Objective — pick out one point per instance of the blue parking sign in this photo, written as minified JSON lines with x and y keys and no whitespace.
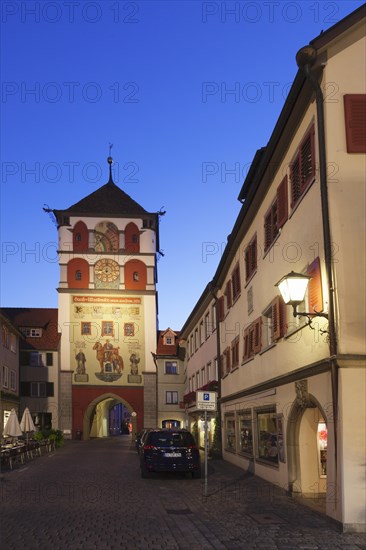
{"x":206,"y":397}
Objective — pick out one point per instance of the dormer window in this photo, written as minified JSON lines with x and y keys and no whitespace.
{"x":31,"y":332}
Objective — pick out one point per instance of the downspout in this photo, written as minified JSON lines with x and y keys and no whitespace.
{"x":154,"y":356}
{"x":218,"y":354}
{"x":305,"y":59}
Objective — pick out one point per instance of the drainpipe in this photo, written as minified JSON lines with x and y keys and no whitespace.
{"x":305,"y":59}
{"x":218,"y":354}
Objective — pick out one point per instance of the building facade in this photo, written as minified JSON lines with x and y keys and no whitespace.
{"x":169,"y":360}
{"x":39,"y":372}
{"x":9,"y":363}
{"x":107,"y":310}
{"x":292,"y":393}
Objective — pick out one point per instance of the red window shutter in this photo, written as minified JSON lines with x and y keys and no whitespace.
{"x":246,"y":344}
{"x":355,"y":119}
{"x":268,"y":230}
{"x":295,"y":181}
{"x":228,"y":294}
{"x":315,"y":292}
{"x":278,"y":318}
{"x":282,"y":203}
{"x":257,"y":344}
{"x":307,"y":160}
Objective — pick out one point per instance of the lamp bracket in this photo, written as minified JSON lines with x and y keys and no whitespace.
{"x":310,"y":317}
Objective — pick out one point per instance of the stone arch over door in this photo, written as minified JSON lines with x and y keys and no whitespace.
{"x":301,"y":436}
{"x":109,"y":399}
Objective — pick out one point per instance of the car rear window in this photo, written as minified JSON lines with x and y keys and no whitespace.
{"x":179,"y":439}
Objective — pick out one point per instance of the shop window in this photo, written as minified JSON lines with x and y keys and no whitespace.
{"x":267,"y":435}
{"x":246,"y":432}
{"x":322,"y":448}
{"x":230,"y":439}
{"x":171,"y":424}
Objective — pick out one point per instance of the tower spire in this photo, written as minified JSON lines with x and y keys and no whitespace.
{"x":110,"y":162}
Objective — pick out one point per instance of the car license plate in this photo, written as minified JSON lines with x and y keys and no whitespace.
{"x":172,"y":455}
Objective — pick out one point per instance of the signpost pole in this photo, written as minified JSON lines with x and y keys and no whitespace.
{"x":206,"y":445}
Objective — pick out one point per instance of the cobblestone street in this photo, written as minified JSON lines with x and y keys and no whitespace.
{"x":89,"y":495}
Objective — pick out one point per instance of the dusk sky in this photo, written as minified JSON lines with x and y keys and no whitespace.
{"x":185,"y":91}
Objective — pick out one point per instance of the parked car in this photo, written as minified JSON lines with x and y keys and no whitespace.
{"x":165,"y":450}
{"x":139,"y":438}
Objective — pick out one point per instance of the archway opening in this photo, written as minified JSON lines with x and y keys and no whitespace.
{"x":108,"y":415}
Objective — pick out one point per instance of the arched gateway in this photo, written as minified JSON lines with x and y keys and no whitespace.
{"x":97,"y":415}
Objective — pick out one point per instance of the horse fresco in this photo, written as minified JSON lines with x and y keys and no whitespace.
{"x":107,"y":353}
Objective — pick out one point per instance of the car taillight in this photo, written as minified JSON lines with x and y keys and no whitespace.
{"x":149,"y":447}
{"x":191,"y":447}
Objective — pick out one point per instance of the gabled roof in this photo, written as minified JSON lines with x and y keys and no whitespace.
{"x":163,"y":349}
{"x":109,"y":200}
{"x":44,"y":318}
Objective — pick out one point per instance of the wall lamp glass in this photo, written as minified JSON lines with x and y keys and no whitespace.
{"x":293,"y":289}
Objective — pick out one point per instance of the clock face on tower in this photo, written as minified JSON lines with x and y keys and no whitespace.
{"x":106,"y":271}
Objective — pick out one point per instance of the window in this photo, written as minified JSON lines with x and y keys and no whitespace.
{"x":196,"y":339}
{"x":208,"y":328}
{"x":107,"y":328}
{"x":213,"y":316}
{"x":171,"y":367}
{"x":201,"y":335}
{"x":31,"y":332}
{"x":227,"y":359}
{"x":78,"y":237}
{"x":209,"y":372}
{"x":302,"y":169}
{"x":221,"y":309}
{"x":168,"y":341}
{"x":13,"y":342}
{"x":171,"y":397}
{"x":86,"y":329}
{"x":5,"y":336}
{"x":267,"y":435}
{"x":250,"y":256}
{"x":198,"y":380}
{"x":78,"y":275}
{"x":228,"y":294}
{"x":235,"y":281}
{"x":355,"y":119}
{"x":136,"y":276}
{"x":49,"y":359}
{"x":276,"y":216}
{"x":13,"y":380}
{"x":250,"y":300}
{"x":273,"y":326}
{"x":235,"y":352}
{"x":246,"y":432}
{"x":230,"y":439}
{"x":38,"y":389}
{"x":35,"y":359}
{"x":5,"y":377}
{"x":129,"y":329}
{"x":252,"y":339}
{"x":216,"y":369}
{"x":203,"y":376}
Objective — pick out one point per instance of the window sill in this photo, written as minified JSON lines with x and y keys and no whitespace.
{"x":234,"y":368}
{"x":244,"y":362}
{"x":270,"y":346}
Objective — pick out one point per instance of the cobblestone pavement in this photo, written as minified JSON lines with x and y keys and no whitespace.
{"x":89,"y":495}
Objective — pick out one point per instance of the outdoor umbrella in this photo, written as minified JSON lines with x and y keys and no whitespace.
{"x":26,"y":423}
{"x":12,"y":427}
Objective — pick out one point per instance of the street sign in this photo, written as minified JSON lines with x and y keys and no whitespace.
{"x":206,"y":400}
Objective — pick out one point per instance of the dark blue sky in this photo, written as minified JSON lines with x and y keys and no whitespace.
{"x":185,"y":91}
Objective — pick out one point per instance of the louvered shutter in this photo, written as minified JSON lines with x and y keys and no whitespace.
{"x":221,"y":309}
{"x":246,"y":344}
{"x":268,"y":230}
{"x":355,"y":120}
{"x":278,"y":318}
{"x":295,"y":181}
{"x":282,"y":203}
{"x":307,"y":160}
{"x":315,"y":293}
{"x":257,"y":344}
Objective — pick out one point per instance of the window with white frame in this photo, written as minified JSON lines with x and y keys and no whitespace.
{"x":13,"y":380}
{"x":203,"y":376}
{"x":171,"y":367}
{"x":171,"y":397}
{"x":38,"y":389}
{"x":32,"y":332}
{"x":13,"y":342}
{"x":5,"y":377}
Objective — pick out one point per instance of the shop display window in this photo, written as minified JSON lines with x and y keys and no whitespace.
{"x":322,"y":447}
{"x":230,"y":433}
{"x":246,"y":432}
{"x":267,"y":435}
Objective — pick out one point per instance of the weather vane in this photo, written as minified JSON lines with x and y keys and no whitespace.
{"x":110,"y":161}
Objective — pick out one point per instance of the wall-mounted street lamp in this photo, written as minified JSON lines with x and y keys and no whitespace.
{"x":293,"y":288}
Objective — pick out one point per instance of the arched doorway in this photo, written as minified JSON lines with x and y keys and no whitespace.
{"x":307,"y":449}
{"x":97,"y":417}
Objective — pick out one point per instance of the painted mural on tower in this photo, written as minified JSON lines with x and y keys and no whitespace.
{"x":107,"y":335}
